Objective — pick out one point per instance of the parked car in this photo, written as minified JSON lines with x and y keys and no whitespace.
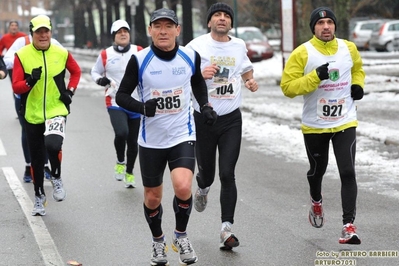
{"x":382,"y":38}
{"x":273,"y":34}
{"x":360,"y":32}
{"x":257,"y":44}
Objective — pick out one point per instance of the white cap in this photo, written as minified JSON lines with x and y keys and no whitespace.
{"x":119,"y":24}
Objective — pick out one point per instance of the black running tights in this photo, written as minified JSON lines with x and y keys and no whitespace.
{"x":344,"y":145}
{"x":38,"y":145}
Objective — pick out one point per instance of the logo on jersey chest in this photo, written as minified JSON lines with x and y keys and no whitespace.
{"x":178,"y":71}
{"x":334,"y":74}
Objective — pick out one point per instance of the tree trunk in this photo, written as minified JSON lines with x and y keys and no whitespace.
{"x":341,"y":10}
{"x":187,"y":21}
{"x":140,"y":25}
{"x":91,"y":31}
{"x":108,"y":9}
{"x":79,"y":26}
{"x":158,"y":4}
{"x":102,"y":34}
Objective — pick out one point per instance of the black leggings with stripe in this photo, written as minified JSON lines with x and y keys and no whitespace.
{"x":38,"y":146}
{"x":344,"y":145}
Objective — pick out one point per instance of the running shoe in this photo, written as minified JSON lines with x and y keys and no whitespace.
{"x":59,"y":192}
{"x":316,"y":214}
{"x":119,"y":171}
{"x":158,"y":254}
{"x":228,"y":240}
{"x":186,"y":252}
{"x":38,"y":207}
{"x":27,"y":175}
{"x":349,"y":235}
{"x":47,"y":173}
{"x":129,"y":180}
{"x":201,"y":199}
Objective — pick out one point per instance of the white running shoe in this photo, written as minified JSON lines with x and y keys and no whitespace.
{"x":186,"y":252}
{"x":59,"y":192}
{"x":158,"y":254}
{"x":349,"y":235}
{"x":201,"y":199}
{"x":38,"y":207}
{"x":316,"y":214}
{"x":228,"y":240}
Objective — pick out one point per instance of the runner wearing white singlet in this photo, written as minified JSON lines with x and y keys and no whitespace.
{"x":166,"y":76}
{"x":328,"y":73}
{"x":225,"y":65}
{"x":108,"y":72}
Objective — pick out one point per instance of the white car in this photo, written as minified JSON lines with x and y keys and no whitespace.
{"x":383,"y":38}
{"x":360,"y":32}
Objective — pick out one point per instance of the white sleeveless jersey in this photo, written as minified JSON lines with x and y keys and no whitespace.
{"x":331,"y":105}
{"x":170,"y":83}
{"x":224,"y":90}
{"x":114,"y":69}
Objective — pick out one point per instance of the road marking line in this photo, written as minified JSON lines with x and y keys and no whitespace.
{"x":43,"y":238}
{"x":2,"y":149}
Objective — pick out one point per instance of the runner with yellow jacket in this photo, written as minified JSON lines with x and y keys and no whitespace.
{"x":39,"y":77}
{"x":328,"y":72}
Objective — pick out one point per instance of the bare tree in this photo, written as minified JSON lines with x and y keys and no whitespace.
{"x":140,"y":25}
{"x":187,"y":21}
{"x":109,"y":17}
{"x":128,"y":13}
{"x":173,"y":4}
{"x":258,"y":13}
{"x":158,"y":4}
{"x":91,"y":31}
{"x":79,"y":23}
{"x":102,"y":33}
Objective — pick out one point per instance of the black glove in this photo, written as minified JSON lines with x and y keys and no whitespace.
{"x":322,"y":71}
{"x":356,"y":92}
{"x":104,"y":81}
{"x":149,"y":107}
{"x":34,"y":76}
{"x":209,"y":115}
{"x":66,"y":97}
{"x":36,"y":73}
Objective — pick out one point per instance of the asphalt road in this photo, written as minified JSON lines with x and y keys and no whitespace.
{"x":102,"y":223}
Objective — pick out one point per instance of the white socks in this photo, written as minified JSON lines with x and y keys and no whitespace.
{"x":226,"y":224}
{"x":204,"y":191}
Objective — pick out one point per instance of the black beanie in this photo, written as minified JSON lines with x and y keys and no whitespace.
{"x":220,"y":7}
{"x":319,"y":13}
